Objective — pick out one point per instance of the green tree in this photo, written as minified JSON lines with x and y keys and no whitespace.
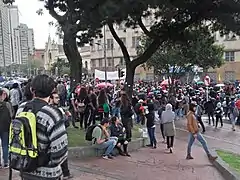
{"x":175,"y":59}
{"x":171,"y":21}
{"x":61,"y":66}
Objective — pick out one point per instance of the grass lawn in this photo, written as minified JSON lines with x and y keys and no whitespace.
{"x":76,"y":137}
{"x":232,"y":159}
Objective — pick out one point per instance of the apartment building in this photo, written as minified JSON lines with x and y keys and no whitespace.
{"x":230,"y":70}
{"x":5,"y":46}
{"x":114,"y":55}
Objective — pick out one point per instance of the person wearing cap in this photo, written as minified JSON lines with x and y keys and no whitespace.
{"x":194,"y":133}
{"x":101,"y":140}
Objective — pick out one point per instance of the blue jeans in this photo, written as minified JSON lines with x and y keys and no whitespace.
{"x":109,"y":146}
{"x":116,"y":112}
{"x":201,"y":139}
{"x":5,"y":141}
{"x":151,"y":134}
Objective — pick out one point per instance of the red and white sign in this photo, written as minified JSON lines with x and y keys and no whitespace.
{"x":207,"y":80}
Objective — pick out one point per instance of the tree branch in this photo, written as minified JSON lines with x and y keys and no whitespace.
{"x":145,"y":30}
{"x":120,"y":42}
{"x":53,"y":13}
{"x":152,"y":48}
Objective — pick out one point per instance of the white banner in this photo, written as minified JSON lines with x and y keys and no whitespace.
{"x":110,"y":75}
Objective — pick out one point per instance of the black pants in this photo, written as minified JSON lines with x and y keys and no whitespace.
{"x":162,"y":131}
{"x":92,"y":119}
{"x":15,"y":108}
{"x":121,"y":141}
{"x":74,"y":117}
{"x":217,"y":120}
{"x":170,"y":140}
{"x":127,"y":124}
{"x":210,"y":115}
{"x":85,"y":118}
{"x":62,"y":99}
{"x":65,"y":168}
{"x":199,"y":118}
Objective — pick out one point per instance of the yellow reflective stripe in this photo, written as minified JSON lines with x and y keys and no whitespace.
{"x":33,"y":126}
{"x":23,"y":152}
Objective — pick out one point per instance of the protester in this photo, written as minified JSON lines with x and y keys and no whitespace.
{"x":167,"y":119}
{"x":117,"y":130}
{"x":151,"y":126}
{"x":194,"y":133}
{"x":51,"y":132}
{"x":101,"y":141}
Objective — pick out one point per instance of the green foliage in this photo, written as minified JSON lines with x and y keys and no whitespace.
{"x":178,"y":57}
{"x":62,"y":67}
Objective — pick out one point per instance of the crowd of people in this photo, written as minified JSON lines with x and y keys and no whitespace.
{"x":106,"y":115}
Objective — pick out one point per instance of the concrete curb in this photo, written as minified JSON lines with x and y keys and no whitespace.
{"x":227,"y":172}
{"x":89,"y":151}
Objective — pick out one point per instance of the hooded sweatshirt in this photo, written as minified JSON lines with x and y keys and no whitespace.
{"x":168,"y":115}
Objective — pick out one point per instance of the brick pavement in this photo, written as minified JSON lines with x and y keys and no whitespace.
{"x":146,"y":163}
{"x":156,"y":163}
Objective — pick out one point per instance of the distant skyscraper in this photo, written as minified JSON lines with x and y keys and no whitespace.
{"x":23,"y":31}
{"x":14,"y":35}
{"x":31,"y":44}
{"x":5,"y":46}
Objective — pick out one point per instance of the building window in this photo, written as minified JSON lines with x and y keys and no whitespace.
{"x":135,"y":41}
{"x":93,"y":63}
{"x":230,"y":76}
{"x":100,"y":62}
{"x":110,"y":44}
{"x":86,"y":64}
{"x":230,"y":56}
{"x":110,"y":62}
{"x":122,"y":61}
{"x":99,"y":45}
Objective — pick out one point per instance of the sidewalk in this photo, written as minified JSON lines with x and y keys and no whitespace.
{"x":153,"y":164}
{"x":145,"y":164}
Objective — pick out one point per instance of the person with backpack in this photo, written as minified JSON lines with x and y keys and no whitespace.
{"x":41,"y":127}
{"x":6,"y":114}
{"x":99,"y":136}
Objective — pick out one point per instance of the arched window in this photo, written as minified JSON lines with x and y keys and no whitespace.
{"x":86,"y":64}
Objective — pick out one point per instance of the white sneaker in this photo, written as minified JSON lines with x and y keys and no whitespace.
{"x":105,"y":157}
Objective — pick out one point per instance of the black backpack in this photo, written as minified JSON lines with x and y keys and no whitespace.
{"x":89,"y":132}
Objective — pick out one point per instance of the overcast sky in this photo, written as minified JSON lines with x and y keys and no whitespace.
{"x":28,"y":15}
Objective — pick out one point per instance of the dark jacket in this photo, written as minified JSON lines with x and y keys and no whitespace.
{"x":116,"y":131}
{"x":218,"y":111}
{"x":5,"y":116}
{"x":126,"y":112}
{"x":150,"y":119}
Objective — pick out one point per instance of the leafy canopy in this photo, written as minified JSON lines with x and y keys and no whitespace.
{"x":178,"y":57}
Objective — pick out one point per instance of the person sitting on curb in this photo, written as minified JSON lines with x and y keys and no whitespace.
{"x":117,"y":130}
{"x":101,"y":140}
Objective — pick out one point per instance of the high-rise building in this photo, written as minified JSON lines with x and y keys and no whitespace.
{"x":23,"y":31}
{"x":5,"y":46}
{"x":14,"y":34}
{"x":31,"y":45}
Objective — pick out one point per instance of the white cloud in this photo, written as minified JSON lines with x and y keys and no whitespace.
{"x":28,"y":15}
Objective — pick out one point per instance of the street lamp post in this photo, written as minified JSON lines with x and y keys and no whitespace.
{"x":104,"y":51}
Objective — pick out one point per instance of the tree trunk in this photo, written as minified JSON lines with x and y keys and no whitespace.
{"x":130,"y":71}
{"x":74,"y":58}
